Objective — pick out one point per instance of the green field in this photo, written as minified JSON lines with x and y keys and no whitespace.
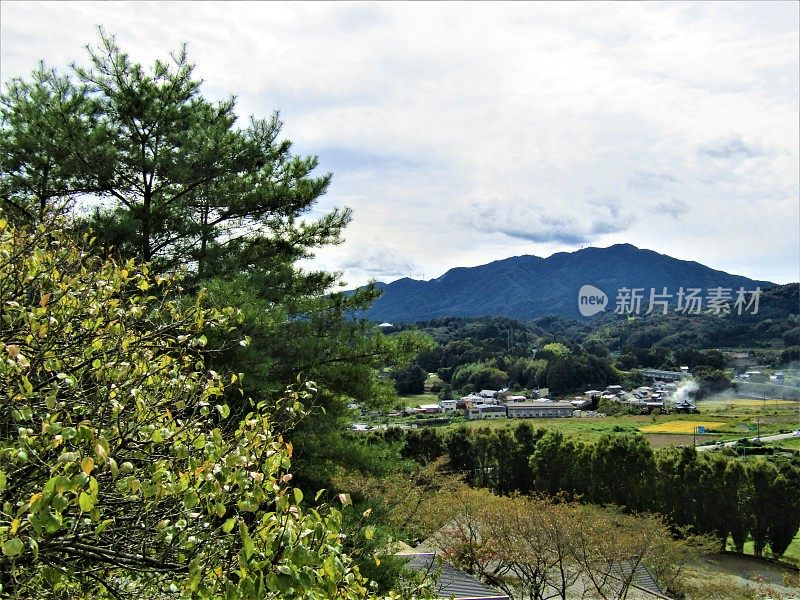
{"x":737,"y":418}
{"x":790,"y":444}
{"x":415,"y":400}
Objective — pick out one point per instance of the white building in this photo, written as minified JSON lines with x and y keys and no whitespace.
{"x":530,"y":410}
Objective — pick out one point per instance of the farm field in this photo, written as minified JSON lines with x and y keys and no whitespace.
{"x":663,"y":440}
{"x":724,"y":418}
{"x":748,"y":406}
{"x":683,"y":426}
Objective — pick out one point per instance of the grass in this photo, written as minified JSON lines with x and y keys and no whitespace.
{"x":790,"y":444}
{"x":682,"y":426}
{"x":415,"y":400}
{"x":791,"y":556}
{"x":792,"y":553}
{"x":586,"y":429}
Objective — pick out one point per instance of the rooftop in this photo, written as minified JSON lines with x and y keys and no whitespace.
{"x":451,"y":582}
{"x":540,"y":404}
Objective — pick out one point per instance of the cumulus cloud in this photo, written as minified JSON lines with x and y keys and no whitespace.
{"x":546,"y":224}
{"x":379,"y":261}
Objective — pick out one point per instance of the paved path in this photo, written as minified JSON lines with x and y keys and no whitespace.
{"x":764,"y":438}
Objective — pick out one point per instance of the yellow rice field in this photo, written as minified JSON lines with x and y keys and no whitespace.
{"x":747,"y":402}
{"x":682,"y":426}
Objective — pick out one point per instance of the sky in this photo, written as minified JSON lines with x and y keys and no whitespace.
{"x":461,"y":133}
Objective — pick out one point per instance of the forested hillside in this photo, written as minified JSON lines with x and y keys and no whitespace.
{"x":526,"y":287}
{"x":566,"y":356}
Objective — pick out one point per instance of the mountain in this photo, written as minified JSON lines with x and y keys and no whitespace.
{"x":526,"y":287}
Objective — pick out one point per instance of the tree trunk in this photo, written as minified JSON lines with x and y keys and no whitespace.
{"x":146,"y":226}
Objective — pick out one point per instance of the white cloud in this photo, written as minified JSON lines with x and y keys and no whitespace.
{"x":446,"y":124}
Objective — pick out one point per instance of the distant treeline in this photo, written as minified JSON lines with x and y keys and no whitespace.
{"x":493,"y":353}
{"x":713,"y":493}
{"x":569,"y":356}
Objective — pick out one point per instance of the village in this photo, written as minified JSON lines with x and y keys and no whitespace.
{"x":660,"y":398}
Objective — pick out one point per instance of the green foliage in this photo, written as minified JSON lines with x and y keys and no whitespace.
{"x":41,"y":173}
{"x":117,"y":476}
{"x":180,"y":182}
{"x":772,"y":500}
{"x":709,"y":493}
{"x":553,"y":350}
{"x":632,"y":379}
{"x":574,"y":373}
{"x":175,"y":181}
{"x":461,"y":341}
{"x":538,"y":547}
{"x":410,"y":380}
{"x":777,"y":316}
{"x":790,"y":355}
{"x":615,"y":408}
{"x":627,"y":361}
{"x":479,"y":376}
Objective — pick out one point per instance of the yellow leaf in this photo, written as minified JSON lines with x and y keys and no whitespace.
{"x":14,"y":526}
{"x":87,"y":464}
{"x":45,"y":299}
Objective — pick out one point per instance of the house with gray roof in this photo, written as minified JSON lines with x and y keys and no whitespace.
{"x":451,"y":582}
{"x":539,"y":409}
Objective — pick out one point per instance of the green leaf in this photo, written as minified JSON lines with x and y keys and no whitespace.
{"x":13,"y":547}
{"x":298,"y":496}
{"x":190,"y":498}
{"x":51,"y":521}
{"x":86,"y":502}
{"x":247,"y":542}
{"x":68,"y":457}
